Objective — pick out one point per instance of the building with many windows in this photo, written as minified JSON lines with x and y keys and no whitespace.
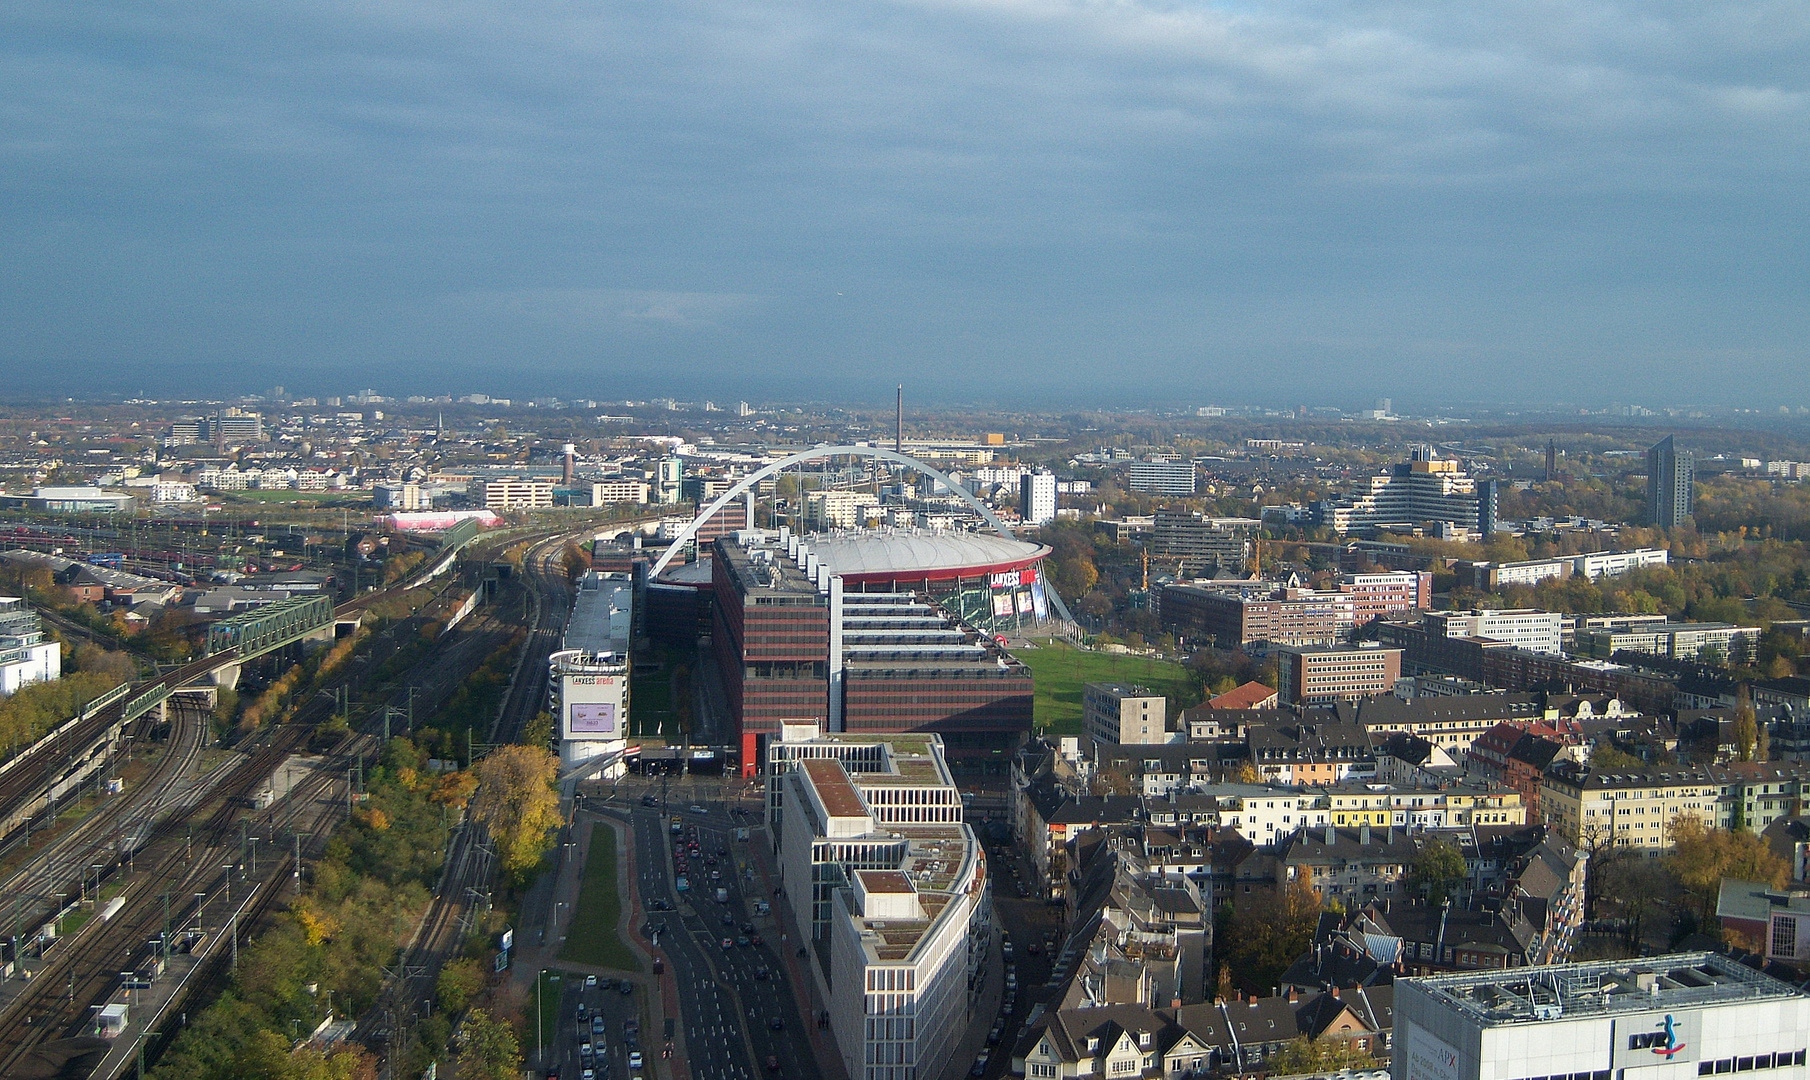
{"x":590,"y":673}
{"x":26,"y":656}
{"x":1162,"y":477}
{"x":1037,"y":497}
{"x":888,"y":893}
{"x":1423,"y":490}
{"x":1671,"y":484}
{"x":513,"y":492}
{"x":1111,"y":713}
{"x":1319,"y":675}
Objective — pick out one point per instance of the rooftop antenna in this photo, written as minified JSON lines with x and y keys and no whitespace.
{"x":898,"y":438}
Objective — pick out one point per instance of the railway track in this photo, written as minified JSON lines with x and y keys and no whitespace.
{"x":468,"y":867}
{"x":111,"y":833}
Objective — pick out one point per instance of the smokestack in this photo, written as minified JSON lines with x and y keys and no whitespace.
{"x":571,"y":465}
{"x":898,"y":438}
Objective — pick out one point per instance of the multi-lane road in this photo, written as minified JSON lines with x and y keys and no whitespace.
{"x":740,"y":1016}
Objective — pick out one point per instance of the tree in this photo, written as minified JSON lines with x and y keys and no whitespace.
{"x":1606,"y":758}
{"x":488,"y":1049}
{"x":460,"y":980}
{"x":1703,"y":855}
{"x":574,"y":560}
{"x":1267,"y":937}
{"x":517,"y":800}
{"x":1746,"y":727}
{"x":1324,"y":1054}
{"x":1436,"y":871}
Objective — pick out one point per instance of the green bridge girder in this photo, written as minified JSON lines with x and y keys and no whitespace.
{"x":260,"y":630}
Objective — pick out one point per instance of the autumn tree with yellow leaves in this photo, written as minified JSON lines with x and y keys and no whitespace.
{"x":518,"y":801}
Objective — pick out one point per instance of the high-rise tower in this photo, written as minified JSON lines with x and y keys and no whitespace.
{"x":1670,"y":484}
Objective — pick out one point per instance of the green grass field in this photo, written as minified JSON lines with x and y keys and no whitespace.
{"x":650,"y":702}
{"x":593,"y":936}
{"x":1061,"y":670}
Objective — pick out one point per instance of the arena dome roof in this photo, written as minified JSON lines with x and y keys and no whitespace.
{"x":889,"y":554}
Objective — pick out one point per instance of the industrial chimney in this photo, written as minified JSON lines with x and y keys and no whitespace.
{"x":571,"y":464}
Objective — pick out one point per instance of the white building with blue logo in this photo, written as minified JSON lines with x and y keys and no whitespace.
{"x":1674,"y":1017}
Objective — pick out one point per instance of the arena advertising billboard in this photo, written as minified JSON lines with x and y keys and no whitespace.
{"x":593,"y":706}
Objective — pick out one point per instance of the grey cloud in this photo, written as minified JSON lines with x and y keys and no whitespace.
{"x":991,"y":192}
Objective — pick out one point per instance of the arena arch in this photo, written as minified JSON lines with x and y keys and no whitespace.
{"x":747,"y":484}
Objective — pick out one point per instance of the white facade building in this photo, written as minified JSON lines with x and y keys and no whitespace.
{"x":25,"y":657}
{"x":869,"y":829}
{"x":1524,"y":628}
{"x":1674,"y":1017}
{"x":1037,"y":498}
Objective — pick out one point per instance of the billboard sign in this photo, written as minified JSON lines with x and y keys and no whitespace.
{"x":1429,"y":1058}
{"x":1002,"y":605}
{"x":1007,"y":580}
{"x":592,"y":718}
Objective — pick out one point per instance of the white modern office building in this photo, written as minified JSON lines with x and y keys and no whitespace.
{"x":888,"y":887}
{"x":589,"y":673}
{"x":1672,"y":1017}
{"x":26,"y":656}
{"x":1524,"y":628}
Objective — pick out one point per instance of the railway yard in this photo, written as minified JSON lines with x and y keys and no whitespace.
{"x":145,"y":898}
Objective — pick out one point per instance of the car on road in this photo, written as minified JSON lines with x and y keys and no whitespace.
{"x":1033,"y":948}
{"x":742,"y":941}
{"x":772,"y":1063}
{"x":980,"y":1065}
{"x":590,"y":980}
{"x":776,"y":1024}
{"x":762,"y":974}
{"x":587,"y":1073}
{"x":696,"y":809}
{"x":728,"y":944}
{"x":754,"y":938}
{"x":634,"y":1059}
{"x":625,"y":988}
{"x":682,"y":884}
{"x":586,"y":1050}
{"x":597,"y":1025}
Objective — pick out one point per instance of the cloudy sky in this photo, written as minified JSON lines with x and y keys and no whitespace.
{"x":1119,"y":201}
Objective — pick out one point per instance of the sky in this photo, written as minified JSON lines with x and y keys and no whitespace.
{"x":1112,"y":202}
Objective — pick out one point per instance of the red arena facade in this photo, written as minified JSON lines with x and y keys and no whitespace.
{"x":875,"y":631}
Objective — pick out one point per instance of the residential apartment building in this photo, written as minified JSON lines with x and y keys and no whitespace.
{"x":1671,"y":484}
{"x":1037,"y":498}
{"x":1198,"y":541}
{"x":1318,"y":675}
{"x":1309,"y":754}
{"x":1451,"y":723}
{"x":839,"y":509}
{"x":1162,"y":477}
{"x":1112,"y":713}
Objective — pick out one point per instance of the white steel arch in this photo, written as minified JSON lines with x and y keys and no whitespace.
{"x":747,"y":483}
